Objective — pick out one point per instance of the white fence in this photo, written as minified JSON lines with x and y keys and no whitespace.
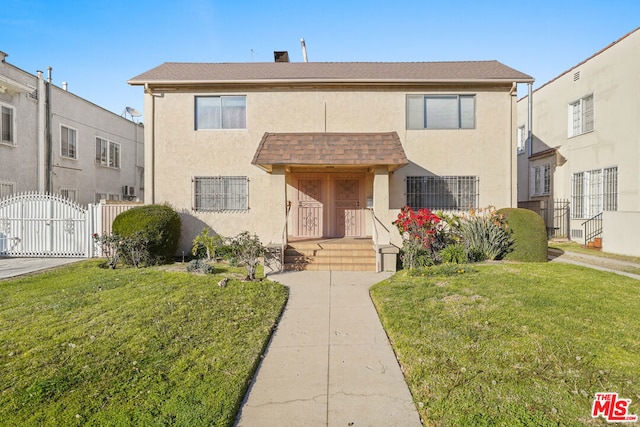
{"x":46,"y":225}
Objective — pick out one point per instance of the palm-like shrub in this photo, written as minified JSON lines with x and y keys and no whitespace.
{"x":485,"y":235}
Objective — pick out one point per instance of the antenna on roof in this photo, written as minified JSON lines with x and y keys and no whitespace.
{"x":304,"y":50}
{"x":132,"y":112}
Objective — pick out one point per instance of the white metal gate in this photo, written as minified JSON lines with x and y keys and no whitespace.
{"x":45,"y":225}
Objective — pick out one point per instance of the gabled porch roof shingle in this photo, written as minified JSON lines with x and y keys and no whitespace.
{"x":335,"y":149}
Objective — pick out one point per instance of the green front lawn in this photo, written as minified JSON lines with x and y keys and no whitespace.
{"x":83,"y":345}
{"x":514,"y":344}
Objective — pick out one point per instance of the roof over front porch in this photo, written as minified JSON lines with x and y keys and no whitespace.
{"x":330,"y":149}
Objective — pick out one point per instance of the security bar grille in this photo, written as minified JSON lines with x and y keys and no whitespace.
{"x":221,"y":193}
{"x":449,"y":193}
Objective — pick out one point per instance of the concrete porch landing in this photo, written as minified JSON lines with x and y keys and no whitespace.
{"x":329,"y":363}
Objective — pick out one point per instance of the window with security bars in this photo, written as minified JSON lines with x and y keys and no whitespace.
{"x":593,"y":192}
{"x":7,"y":189}
{"x":69,"y":194}
{"x":447,"y":193}
{"x":221,"y":193}
{"x":581,"y":116}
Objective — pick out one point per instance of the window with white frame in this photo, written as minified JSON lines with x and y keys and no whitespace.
{"x":7,"y":189}
{"x":581,"y":116}
{"x":221,"y":193}
{"x":68,"y":143}
{"x":220,"y":112}
{"x":107,"y":153}
{"x":540,"y":183}
{"x":448,"y":193}
{"x":7,"y":125}
{"x":593,"y":192}
{"x":522,"y":139}
{"x":441,"y":111}
{"x":69,"y":194}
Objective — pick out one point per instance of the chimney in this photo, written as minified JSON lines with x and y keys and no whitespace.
{"x":281,"y":56}
{"x":3,"y":55}
{"x":65,"y":86}
{"x":304,"y":50}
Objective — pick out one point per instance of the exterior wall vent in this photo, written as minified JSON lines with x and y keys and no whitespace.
{"x":576,"y":233}
{"x":576,"y":76}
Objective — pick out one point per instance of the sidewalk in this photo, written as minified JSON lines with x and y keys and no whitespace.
{"x":12,"y":267}
{"x":592,"y":261}
{"x":329,"y":362}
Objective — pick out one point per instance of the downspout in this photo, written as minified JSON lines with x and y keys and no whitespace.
{"x":49,"y":149}
{"x":41,"y":134}
{"x":152,"y":132}
{"x":512,"y":155}
{"x":530,"y":120}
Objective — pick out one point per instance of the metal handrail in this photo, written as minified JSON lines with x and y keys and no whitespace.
{"x":375,"y":239}
{"x":592,"y":227}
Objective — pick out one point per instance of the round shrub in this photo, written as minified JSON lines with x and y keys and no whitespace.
{"x":157,"y":225}
{"x":529,"y":234}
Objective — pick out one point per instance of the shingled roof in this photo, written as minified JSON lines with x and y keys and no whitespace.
{"x":316,"y":148}
{"x":330,"y":72}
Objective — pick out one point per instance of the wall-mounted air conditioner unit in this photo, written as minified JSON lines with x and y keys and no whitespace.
{"x":128,"y":191}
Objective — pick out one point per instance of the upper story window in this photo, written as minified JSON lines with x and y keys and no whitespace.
{"x":107,"y":153}
{"x":441,"y":111}
{"x":522,"y":139}
{"x":448,"y":193}
{"x":6,"y":125}
{"x":581,"y":116}
{"x":68,"y":144}
{"x":220,"y":112}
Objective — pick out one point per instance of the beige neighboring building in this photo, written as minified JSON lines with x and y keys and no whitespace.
{"x":585,"y":149}
{"x":54,"y":141}
{"x":345,"y":145}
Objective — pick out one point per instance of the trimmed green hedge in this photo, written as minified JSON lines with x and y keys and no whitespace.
{"x":158,"y":225}
{"x":529,"y":233}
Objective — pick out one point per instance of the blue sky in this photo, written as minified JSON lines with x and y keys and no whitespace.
{"x":96,"y":46}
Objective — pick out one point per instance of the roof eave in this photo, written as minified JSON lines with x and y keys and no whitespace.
{"x":135,"y":82}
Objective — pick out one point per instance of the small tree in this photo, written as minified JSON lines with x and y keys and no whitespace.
{"x":205,"y":244}
{"x":248,"y":250}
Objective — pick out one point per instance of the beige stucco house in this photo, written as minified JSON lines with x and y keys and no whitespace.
{"x":54,"y":141}
{"x":585,"y":148}
{"x":294,"y":151}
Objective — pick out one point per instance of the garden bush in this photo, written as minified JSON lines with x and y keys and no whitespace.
{"x":485,"y":234}
{"x":454,"y":254}
{"x":157,"y":225}
{"x":529,"y":234}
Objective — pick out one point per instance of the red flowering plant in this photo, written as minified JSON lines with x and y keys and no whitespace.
{"x":419,"y":230}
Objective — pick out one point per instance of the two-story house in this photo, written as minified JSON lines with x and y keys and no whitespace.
{"x":312,"y":150}
{"x":584,"y":148}
{"x":57,"y":142}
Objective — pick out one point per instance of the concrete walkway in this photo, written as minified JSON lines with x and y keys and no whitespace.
{"x":329,"y":362}
{"x":12,"y":267}
{"x":610,"y":265}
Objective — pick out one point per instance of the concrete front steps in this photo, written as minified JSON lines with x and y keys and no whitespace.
{"x":344,"y":254}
